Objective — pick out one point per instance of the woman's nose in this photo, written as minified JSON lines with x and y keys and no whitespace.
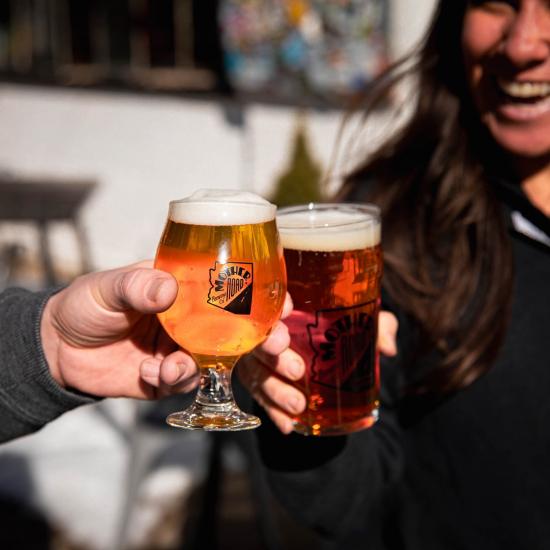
{"x":527,"y":38}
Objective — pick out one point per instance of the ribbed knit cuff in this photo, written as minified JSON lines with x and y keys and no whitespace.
{"x":29,"y":396}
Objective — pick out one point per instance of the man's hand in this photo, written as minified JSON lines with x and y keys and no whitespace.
{"x":101,"y":336}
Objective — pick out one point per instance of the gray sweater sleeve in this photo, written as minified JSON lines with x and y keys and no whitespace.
{"x":29,"y":396}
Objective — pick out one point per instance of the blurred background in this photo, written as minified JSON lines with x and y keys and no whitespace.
{"x":108,"y":110}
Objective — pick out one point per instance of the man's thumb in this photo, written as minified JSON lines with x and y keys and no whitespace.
{"x":141,"y":289}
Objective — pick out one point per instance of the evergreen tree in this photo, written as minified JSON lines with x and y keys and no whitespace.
{"x":301,"y":181}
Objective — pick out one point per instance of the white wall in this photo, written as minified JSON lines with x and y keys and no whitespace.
{"x":145,"y":150}
{"x":408,"y":20}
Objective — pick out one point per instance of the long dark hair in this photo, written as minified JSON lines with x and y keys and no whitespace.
{"x":447,"y":255}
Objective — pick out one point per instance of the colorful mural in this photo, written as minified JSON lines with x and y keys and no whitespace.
{"x":288,"y":48}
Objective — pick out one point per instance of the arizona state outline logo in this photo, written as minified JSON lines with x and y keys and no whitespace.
{"x":231,"y":286}
{"x":343,"y":342}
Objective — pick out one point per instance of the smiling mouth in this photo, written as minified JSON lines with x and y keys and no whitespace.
{"x":526,"y":92}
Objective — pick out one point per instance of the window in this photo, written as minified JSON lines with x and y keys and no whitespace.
{"x":169,"y":45}
{"x":267,"y":50}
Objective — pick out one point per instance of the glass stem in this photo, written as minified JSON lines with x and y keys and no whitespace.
{"x":215,"y":381}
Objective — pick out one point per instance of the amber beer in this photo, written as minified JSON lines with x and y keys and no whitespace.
{"x":334,"y":265}
{"x":223,"y":249}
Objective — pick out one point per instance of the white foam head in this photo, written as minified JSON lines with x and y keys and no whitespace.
{"x":221,"y":207}
{"x":329,"y":227}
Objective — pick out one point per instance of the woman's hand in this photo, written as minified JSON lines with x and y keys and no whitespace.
{"x":101,"y":336}
{"x":269,"y":369}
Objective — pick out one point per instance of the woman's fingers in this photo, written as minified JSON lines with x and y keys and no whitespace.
{"x":277,"y":341}
{"x":275,"y":354}
{"x":256,"y":385}
{"x":288,"y":364}
{"x":280,"y":419}
{"x":288,"y":306}
{"x":283,"y":396}
{"x":387,"y":332}
{"x":270,"y":387}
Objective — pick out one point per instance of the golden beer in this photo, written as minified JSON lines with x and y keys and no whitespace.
{"x":225,"y":254}
{"x":334,"y":265}
{"x":226,"y":305}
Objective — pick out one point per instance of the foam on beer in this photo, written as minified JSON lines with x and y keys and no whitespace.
{"x":222,"y":207}
{"x":328,"y":230}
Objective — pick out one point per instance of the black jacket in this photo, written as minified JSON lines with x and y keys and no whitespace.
{"x":469,"y":472}
{"x":29,"y":396}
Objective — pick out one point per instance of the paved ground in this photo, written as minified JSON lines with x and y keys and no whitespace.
{"x":112,"y":477}
{"x":95,"y":481}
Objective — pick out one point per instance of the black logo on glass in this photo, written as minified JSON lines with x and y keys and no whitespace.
{"x":343,"y":341}
{"x":231,"y":287}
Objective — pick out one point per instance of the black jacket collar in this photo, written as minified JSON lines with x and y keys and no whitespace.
{"x":512,"y":195}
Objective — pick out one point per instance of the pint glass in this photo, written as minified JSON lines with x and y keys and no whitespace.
{"x":223,"y":249}
{"x":334,"y":266}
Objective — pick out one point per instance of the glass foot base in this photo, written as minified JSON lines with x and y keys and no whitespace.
{"x":213,"y":418}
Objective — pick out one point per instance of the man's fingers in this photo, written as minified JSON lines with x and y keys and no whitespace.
{"x":145,"y":290}
{"x":174,"y":369}
{"x":177,"y":367}
{"x":149,"y":371}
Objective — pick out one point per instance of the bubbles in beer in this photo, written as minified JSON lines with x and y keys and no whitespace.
{"x":221,"y":207}
{"x":329,"y":229}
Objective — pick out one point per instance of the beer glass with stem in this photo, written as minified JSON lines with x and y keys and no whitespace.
{"x":334,"y":265}
{"x":223,"y":249}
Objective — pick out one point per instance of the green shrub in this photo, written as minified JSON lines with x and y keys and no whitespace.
{"x":301,"y":181}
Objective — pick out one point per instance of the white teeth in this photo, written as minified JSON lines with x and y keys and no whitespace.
{"x":524,"y":89}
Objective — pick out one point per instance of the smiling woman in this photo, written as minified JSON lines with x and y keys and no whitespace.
{"x":459,"y":456}
{"x":507,"y":58}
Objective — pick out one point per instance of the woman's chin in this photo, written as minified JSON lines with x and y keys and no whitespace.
{"x":529,"y":141}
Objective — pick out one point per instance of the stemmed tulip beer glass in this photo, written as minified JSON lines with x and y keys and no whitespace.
{"x":223,"y":249}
